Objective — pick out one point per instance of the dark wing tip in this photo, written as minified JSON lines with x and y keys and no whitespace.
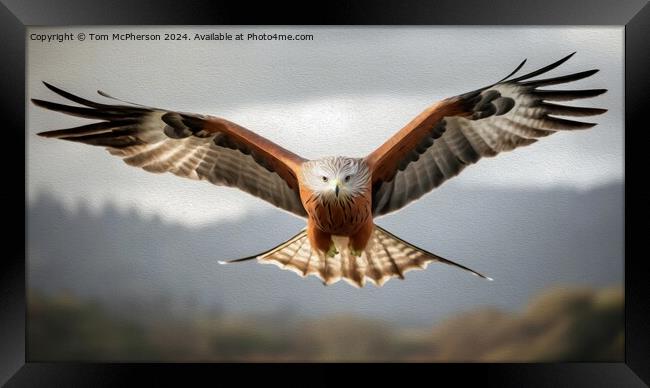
{"x":593,"y":92}
{"x":566,"y":95}
{"x":104,"y":94}
{"x":514,"y":71}
{"x":41,"y":103}
{"x":543,"y":69}
{"x":558,"y":80}
{"x":56,"y":133}
{"x":52,"y":87}
{"x":588,"y":73}
{"x":65,"y":94}
{"x":567,"y":57}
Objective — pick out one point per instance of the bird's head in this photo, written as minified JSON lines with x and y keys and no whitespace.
{"x":336,"y":178}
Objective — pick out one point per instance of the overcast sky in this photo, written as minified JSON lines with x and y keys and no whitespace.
{"x":343,"y":93}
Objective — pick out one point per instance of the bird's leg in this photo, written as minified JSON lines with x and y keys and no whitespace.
{"x":332,"y":251}
{"x":355,"y":252}
{"x":359,"y":240}
{"x":321,"y":241}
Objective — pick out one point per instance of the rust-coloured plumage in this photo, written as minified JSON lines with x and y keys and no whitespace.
{"x":351,"y":218}
{"x":339,"y":196}
{"x":383,"y":160}
{"x":275,"y":158}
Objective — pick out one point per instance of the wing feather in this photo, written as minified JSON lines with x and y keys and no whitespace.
{"x":188,"y":145}
{"x":456,"y":132}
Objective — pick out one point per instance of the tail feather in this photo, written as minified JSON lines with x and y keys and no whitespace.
{"x":386,"y":256}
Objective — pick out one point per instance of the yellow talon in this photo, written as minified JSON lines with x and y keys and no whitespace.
{"x":332,"y":251}
{"x":355,"y":252}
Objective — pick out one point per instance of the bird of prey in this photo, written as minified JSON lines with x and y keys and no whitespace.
{"x":339,"y":196}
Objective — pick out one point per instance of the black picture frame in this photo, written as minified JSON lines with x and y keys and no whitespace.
{"x":15,"y":15}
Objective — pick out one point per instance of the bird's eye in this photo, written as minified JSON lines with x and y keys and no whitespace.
{"x":347,"y":178}
{"x":324,"y":179}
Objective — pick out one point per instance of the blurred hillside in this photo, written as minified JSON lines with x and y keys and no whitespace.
{"x":528,"y":240}
{"x":561,"y":324}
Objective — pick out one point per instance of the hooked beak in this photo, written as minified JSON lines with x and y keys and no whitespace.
{"x":337,"y":187}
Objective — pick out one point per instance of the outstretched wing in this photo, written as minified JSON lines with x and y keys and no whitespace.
{"x":458,"y":131}
{"x":188,"y":145}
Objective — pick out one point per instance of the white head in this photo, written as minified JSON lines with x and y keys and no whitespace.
{"x":336,"y":178}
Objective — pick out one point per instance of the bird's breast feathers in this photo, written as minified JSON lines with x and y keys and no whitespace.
{"x":342,"y":216}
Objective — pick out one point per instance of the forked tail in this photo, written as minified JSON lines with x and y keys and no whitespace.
{"x":385,"y":257}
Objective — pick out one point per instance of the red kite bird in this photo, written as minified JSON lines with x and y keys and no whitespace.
{"x":340,"y":196}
